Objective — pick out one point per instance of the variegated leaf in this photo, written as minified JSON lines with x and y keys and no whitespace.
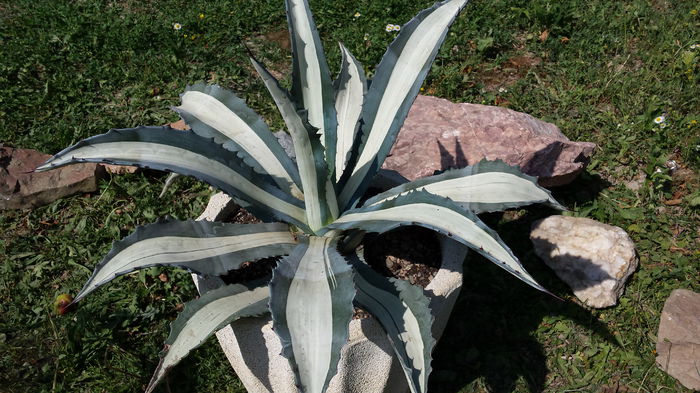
{"x":394,"y":87}
{"x":351,"y":87}
{"x":311,"y":303}
{"x":321,"y":206}
{"x":404,"y":312}
{"x":203,"y":247}
{"x":441,"y":215}
{"x":487,"y":186}
{"x":214,"y":112}
{"x":186,"y":153}
{"x":204,"y":316}
{"x":311,"y":80}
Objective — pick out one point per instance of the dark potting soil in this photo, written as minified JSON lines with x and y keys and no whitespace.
{"x":410,"y":253}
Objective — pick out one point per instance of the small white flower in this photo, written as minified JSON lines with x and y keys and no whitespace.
{"x":177,"y":26}
{"x":672,"y":165}
{"x":658,"y":170}
{"x":695,"y":46}
{"x":366,"y":37}
{"x":502,"y":90}
{"x":389,"y":28}
{"x":660,"y":119}
{"x":357,"y":15}
{"x":397,"y":28}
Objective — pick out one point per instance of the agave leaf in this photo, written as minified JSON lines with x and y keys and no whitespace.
{"x":394,"y":87}
{"x":311,"y":303}
{"x":321,"y":206}
{"x":214,"y":112}
{"x":351,"y":87}
{"x":203,"y":247}
{"x":487,"y":186}
{"x":186,"y":153}
{"x":204,"y":316}
{"x":441,"y":215}
{"x":311,"y":83}
{"x":404,"y":312}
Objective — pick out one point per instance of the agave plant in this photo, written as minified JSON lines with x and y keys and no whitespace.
{"x":342,"y":131}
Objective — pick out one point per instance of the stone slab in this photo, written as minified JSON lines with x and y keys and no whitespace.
{"x":21,"y":188}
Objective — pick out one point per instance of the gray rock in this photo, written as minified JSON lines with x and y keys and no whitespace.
{"x":594,"y":259}
{"x":678,"y":345}
{"x":20,"y":188}
{"x":439,"y":134}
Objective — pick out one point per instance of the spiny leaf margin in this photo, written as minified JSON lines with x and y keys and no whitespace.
{"x":215,"y":264}
{"x":397,"y":298}
{"x":242,"y":300}
{"x":364,"y":219}
{"x":286,"y":279}
{"x":483,"y":167}
{"x":376,"y":140}
{"x":241,"y":110}
{"x":188,"y":141}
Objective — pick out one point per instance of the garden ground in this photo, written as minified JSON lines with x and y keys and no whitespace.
{"x":602,"y":71}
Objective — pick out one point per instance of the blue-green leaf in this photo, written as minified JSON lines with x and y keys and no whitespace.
{"x":214,"y":112}
{"x":351,"y":87}
{"x":404,"y":312}
{"x":487,"y":186}
{"x":312,"y":88}
{"x":186,"y":153}
{"x":311,"y":303}
{"x":204,"y":316}
{"x":319,"y":194}
{"x":203,"y":247}
{"x":394,"y":87}
{"x":441,"y":215}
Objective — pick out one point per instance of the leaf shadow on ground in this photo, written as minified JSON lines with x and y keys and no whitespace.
{"x":489,"y":342}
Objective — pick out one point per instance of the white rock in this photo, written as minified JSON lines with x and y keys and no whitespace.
{"x":594,"y":259}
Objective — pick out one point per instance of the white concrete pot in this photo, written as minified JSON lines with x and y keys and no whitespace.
{"x":367,"y":362}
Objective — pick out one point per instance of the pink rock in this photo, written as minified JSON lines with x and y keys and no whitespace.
{"x":21,"y":188}
{"x":439,"y":134}
{"x":678,"y":345}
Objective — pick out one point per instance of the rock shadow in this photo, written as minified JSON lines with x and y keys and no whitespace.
{"x":448,"y":161}
{"x":490,"y":337}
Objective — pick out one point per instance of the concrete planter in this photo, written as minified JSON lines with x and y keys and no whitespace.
{"x":367,"y":363}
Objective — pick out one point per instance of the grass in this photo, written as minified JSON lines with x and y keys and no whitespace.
{"x":602,"y":71}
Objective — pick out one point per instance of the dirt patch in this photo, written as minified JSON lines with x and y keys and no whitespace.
{"x":280,"y":38}
{"x":509,"y":73}
{"x":272,"y":42}
{"x":409,"y":253}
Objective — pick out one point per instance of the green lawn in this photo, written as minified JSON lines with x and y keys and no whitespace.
{"x":600,"y":70}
